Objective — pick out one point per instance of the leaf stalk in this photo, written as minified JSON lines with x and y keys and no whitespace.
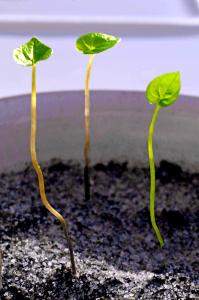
{"x":152,"y":176}
{"x":87,"y":132}
{"x":40,"y":174}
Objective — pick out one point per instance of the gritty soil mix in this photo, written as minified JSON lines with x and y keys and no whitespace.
{"x":116,"y":251}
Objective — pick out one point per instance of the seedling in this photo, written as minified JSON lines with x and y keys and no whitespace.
{"x":161,"y":91}
{"x":29,"y":54}
{"x":91,"y":44}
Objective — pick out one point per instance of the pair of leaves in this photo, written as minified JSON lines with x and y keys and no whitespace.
{"x":95,"y":42}
{"x":34,"y":50}
{"x":164,"y":89}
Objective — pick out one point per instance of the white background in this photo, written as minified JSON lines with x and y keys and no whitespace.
{"x":145,"y":51}
{"x":103,"y":7}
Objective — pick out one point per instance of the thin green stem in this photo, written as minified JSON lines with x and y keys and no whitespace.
{"x":152,"y":177}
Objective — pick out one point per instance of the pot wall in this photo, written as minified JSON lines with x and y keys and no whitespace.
{"x":119,"y":129}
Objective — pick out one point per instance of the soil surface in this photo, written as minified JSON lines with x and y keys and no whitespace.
{"x":116,"y":251}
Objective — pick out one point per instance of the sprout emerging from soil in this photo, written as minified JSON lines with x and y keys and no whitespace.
{"x":91,"y":44}
{"x":161,"y":91}
{"x":29,"y":54}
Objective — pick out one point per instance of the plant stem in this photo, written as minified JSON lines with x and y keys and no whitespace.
{"x":152,"y":176}
{"x":87,"y":133}
{"x":1,"y":264}
{"x":39,"y":171}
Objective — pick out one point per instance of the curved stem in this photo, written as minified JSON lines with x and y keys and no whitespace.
{"x":87,"y":132}
{"x":39,"y":171}
{"x":152,"y":176}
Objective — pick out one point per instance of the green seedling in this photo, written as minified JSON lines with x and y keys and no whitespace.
{"x":91,"y":44}
{"x":29,"y":54}
{"x":161,"y":91}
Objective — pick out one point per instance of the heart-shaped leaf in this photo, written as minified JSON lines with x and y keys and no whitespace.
{"x":164,"y":89}
{"x":95,"y":42}
{"x":31,"y":52}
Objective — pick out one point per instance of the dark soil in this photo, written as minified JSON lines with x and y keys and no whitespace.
{"x":116,"y":251}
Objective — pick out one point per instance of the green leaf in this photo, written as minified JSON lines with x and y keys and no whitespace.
{"x":95,"y":42}
{"x":164,"y":89}
{"x":31,"y":52}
